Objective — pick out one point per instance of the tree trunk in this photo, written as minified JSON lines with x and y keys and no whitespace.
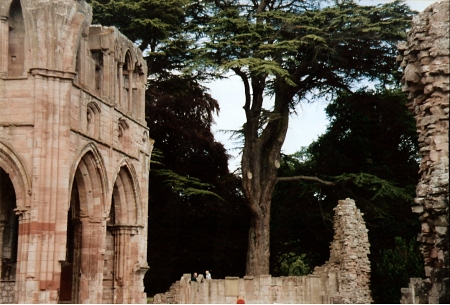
{"x":258,"y":252}
{"x":260,"y":162}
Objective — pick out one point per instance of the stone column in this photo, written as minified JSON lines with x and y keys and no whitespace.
{"x":122,"y":269}
{"x":130,"y":91}
{"x":120,"y":76}
{"x":425,"y":62}
{"x":4,"y":35}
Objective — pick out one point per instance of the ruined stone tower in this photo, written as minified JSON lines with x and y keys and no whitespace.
{"x":425,"y":58}
{"x":74,"y":157}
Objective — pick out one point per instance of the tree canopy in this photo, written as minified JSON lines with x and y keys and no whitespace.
{"x":290,"y":51}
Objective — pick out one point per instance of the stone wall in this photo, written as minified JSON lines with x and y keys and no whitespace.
{"x":425,"y":62}
{"x":345,"y":278}
{"x":7,"y":292}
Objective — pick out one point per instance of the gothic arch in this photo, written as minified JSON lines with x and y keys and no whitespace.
{"x":89,"y":170}
{"x":93,"y":119}
{"x":12,"y":25}
{"x":127,"y":58}
{"x":13,"y":166}
{"x":85,"y":228}
{"x":126,"y":195}
{"x":4,"y":7}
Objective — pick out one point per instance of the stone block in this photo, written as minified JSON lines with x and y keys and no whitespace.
{"x":232,"y":286}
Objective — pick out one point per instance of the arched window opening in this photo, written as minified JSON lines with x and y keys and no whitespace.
{"x":69,"y":269}
{"x":137,"y":91}
{"x":93,"y":119}
{"x":97,"y":56}
{"x":9,"y":228}
{"x":16,"y":47}
{"x":127,"y":82}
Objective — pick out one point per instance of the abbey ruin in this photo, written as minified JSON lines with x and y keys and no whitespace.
{"x":74,"y":157}
{"x":74,"y":162}
{"x":343,"y":279}
{"x":425,"y":59}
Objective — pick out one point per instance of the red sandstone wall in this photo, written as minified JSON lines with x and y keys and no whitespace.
{"x":64,"y":113}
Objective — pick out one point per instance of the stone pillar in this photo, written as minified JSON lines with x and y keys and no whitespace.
{"x":120,"y":76}
{"x":130,"y":91}
{"x":122,"y":268}
{"x":22,"y":257}
{"x":3,"y":45}
{"x":425,"y":62}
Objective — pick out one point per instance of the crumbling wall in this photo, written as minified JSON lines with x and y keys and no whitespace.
{"x":345,"y":278}
{"x":349,"y":254}
{"x":425,"y":62}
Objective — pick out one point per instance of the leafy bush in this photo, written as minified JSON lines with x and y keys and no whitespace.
{"x":292,"y":264}
{"x":395,"y":268}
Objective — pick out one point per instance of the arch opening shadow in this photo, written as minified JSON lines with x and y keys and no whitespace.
{"x":9,"y":228}
{"x":86,"y":202}
{"x":16,"y":40}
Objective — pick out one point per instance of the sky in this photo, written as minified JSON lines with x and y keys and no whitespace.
{"x":304,"y":128}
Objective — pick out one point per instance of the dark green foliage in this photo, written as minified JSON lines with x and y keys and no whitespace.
{"x":197,"y":218}
{"x":370,"y":150}
{"x":370,"y":132}
{"x":396,"y":266}
{"x":300,"y":221}
{"x":305,"y":47}
{"x":292,"y":264}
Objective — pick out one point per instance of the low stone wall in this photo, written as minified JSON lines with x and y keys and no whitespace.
{"x":345,"y":278}
{"x":425,"y":61}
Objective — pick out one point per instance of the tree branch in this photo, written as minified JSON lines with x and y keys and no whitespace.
{"x":309,"y":178}
{"x":244,"y":78}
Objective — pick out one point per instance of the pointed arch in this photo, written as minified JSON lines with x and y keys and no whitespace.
{"x":16,"y":40}
{"x":127,"y":74}
{"x":13,"y":166}
{"x":89,"y":188}
{"x":90,"y":168}
{"x":14,"y":202}
{"x":127,"y":195}
{"x":93,"y":119}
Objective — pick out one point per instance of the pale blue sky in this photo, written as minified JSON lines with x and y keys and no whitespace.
{"x":304,"y":128}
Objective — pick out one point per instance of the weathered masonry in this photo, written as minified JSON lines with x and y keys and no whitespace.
{"x":425,"y":59}
{"x":74,"y":157}
{"x":343,"y":279}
